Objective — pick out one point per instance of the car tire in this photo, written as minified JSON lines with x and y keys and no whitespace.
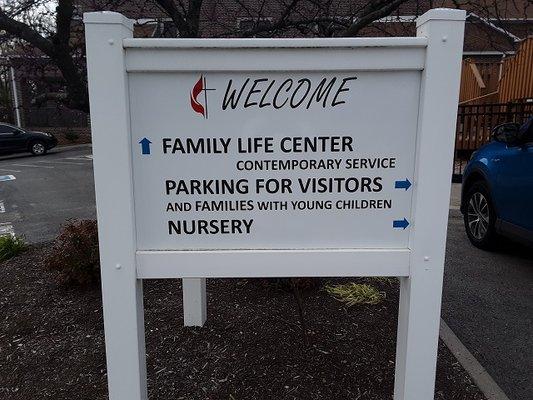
{"x":480,"y":216}
{"x":37,"y":148}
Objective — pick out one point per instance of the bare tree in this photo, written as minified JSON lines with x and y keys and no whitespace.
{"x":53,"y":31}
{"x":186,"y":19}
{"x":55,"y":45}
{"x":500,"y":23}
{"x":297,"y":17}
{"x":39,"y":30}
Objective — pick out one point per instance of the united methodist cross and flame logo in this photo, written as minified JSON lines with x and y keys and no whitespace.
{"x":196,"y":98}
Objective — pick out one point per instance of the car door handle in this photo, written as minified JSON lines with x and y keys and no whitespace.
{"x":495,"y":160}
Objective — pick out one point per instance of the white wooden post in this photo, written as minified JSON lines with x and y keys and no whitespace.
{"x":420,"y":298}
{"x":194,"y":301}
{"x":110,"y":124}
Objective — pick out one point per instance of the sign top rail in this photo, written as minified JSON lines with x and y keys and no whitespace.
{"x":167,"y":43}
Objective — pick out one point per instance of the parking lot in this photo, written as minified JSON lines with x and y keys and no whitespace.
{"x":40,"y":193}
{"x":487,"y":296}
{"x":487,"y":302}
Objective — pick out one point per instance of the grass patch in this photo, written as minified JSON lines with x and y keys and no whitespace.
{"x":355,"y":293}
{"x":10,"y":246}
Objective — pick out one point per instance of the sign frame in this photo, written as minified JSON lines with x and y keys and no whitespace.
{"x":112,"y":53}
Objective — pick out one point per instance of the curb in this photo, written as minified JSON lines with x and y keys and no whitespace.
{"x":479,"y":375}
{"x":74,"y":146}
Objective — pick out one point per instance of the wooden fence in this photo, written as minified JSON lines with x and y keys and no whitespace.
{"x":510,"y":80}
{"x":517,"y":74}
{"x":478,"y":81}
{"x":492,"y":94}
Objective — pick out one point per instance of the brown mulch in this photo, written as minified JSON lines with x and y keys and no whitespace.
{"x":252,"y":347}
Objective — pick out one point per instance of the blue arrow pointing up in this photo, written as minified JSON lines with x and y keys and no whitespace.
{"x":145,"y":146}
{"x":400,"y":223}
{"x":406,"y":184}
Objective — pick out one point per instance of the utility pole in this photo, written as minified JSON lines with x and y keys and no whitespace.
{"x":15,"y":95}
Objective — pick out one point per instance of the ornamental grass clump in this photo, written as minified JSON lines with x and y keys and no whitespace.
{"x":10,"y":246}
{"x":74,"y":254}
{"x":355,"y":293}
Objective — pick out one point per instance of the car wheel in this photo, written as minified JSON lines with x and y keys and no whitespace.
{"x":480,"y":217}
{"x":37,"y":148}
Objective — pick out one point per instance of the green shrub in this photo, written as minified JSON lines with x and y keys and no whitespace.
{"x":71,"y":136}
{"x":75,"y":255}
{"x":10,"y":246}
{"x":355,"y":293}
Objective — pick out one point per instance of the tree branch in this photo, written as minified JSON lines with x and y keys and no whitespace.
{"x":64,"y":13}
{"x":187,"y":21}
{"x":59,"y":51}
{"x":25,"y":32}
{"x":372,"y":12}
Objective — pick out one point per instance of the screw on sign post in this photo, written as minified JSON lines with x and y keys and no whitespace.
{"x":238,"y":158}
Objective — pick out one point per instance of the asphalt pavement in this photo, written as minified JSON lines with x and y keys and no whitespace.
{"x":487,"y":300}
{"x":488,"y":303}
{"x":45,"y":191}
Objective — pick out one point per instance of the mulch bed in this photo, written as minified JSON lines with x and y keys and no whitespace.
{"x":252,"y":347}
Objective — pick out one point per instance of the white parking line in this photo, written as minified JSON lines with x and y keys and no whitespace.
{"x":32,"y":166}
{"x":2,"y":207}
{"x":6,"y":229}
{"x":80,"y":158}
{"x":10,"y":170}
{"x":61,"y":162}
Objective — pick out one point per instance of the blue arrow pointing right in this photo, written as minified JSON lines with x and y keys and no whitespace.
{"x":406,"y":184}
{"x":145,"y":146}
{"x":400,"y":223}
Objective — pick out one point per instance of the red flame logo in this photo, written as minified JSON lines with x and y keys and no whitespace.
{"x":196,"y":90}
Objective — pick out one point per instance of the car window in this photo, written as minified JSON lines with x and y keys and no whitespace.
{"x":527,"y":131}
{"x":6,"y":129}
{"x":529,"y":137}
{"x":499,"y":134}
{"x":503,"y":132}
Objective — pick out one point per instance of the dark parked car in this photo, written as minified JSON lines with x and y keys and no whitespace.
{"x":15,"y":140}
{"x":497,"y":191}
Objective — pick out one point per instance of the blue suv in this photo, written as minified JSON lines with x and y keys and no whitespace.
{"x":497,"y":195}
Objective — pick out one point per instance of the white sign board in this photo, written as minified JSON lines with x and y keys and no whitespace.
{"x":276,"y":157}
{"x":273,"y":160}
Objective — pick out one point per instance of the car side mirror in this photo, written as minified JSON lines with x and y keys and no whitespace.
{"x":508,"y":133}
{"x":16,"y":132}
